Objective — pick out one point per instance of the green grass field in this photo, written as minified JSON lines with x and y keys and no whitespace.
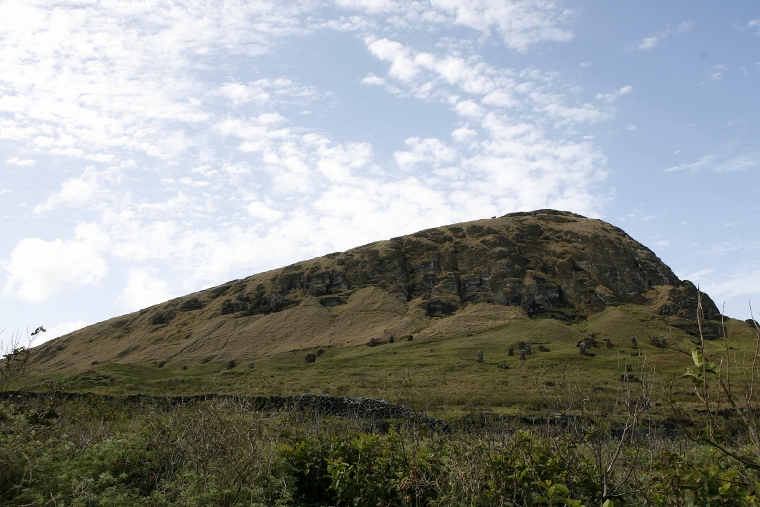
{"x":442,"y":375}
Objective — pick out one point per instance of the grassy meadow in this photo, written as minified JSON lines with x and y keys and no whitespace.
{"x":442,"y":375}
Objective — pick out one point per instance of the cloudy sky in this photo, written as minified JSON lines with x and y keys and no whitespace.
{"x":156,"y":147}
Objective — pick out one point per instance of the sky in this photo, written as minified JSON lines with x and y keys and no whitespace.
{"x":153,"y":148}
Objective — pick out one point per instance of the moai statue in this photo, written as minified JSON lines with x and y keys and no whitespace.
{"x":391,"y":340}
{"x":511,"y":352}
{"x":320,"y":352}
{"x":372,"y":342}
{"x":664,"y":343}
{"x":409,"y":338}
{"x":310,"y":358}
{"x":522,"y":354}
{"x":583,"y":349}
{"x":521,"y":345}
{"x":634,"y":343}
{"x":628,"y":367}
{"x":608,"y":343}
{"x":656,"y":341}
{"x":250,"y":365}
{"x":231,"y":364}
{"x":480,"y":356}
{"x":184,"y":367}
{"x":527,"y":348}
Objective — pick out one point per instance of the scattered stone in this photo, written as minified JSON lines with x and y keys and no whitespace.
{"x":320,"y":352}
{"x":217,"y":370}
{"x":608,"y":343}
{"x":391,"y":340}
{"x":480,"y":356}
{"x":511,"y":352}
{"x":250,"y":365}
{"x":504,"y":366}
{"x":161,"y":364}
{"x":656,"y":342}
{"x":549,"y":383}
{"x":522,"y":354}
{"x":94,"y":362}
{"x":634,"y":343}
{"x":231,"y":364}
{"x":184,"y":367}
{"x":205,"y":360}
{"x":372,"y":342}
{"x":664,"y":343}
{"x":310,"y":358}
{"x":628,"y":377}
{"x":541,"y":348}
{"x":635,"y":354}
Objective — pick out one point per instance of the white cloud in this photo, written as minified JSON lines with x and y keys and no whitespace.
{"x":37,"y":268}
{"x":518,"y":23}
{"x":650,"y":42}
{"x":371,"y":79}
{"x":261,"y":210}
{"x":612,"y":97}
{"x":268,"y":91}
{"x":143,"y":290}
{"x":429,"y":151}
{"x":719,"y":162}
{"x":586,"y":65}
{"x":23,"y":163}
{"x":751,"y":25}
{"x":74,"y":191}
{"x":104,"y":79}
{"x":428,"y":76}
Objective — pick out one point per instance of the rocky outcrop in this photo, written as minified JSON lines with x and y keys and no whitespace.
{"x":537,"y":261}
{"x":486,"y":271}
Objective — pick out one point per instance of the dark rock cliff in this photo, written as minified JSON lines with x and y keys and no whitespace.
{"x":538,"y":261}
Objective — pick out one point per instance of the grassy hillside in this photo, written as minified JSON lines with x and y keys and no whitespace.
{"x":440,"y":374}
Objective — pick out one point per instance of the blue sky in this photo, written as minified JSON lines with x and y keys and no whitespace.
{"x":150,"y":149}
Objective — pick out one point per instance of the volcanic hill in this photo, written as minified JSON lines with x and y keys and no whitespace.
{"x":447,"y":281}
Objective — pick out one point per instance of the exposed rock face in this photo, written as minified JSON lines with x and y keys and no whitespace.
{"x":475,"y":274}
{"x":539,"y":260}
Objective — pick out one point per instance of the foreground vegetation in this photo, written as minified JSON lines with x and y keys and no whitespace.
{"x":650,"y":439}
{"x":105,"y":451}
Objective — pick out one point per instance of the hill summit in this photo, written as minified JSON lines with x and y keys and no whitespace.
{"x":446,"y":281}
